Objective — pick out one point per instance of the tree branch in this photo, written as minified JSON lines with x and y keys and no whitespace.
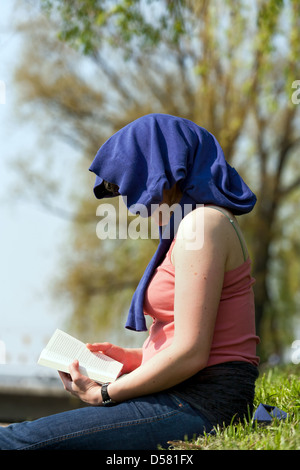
{"x":291,"y":187}
{"x":115,"y":78}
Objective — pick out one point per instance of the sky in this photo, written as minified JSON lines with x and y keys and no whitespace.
{"x":30,"y":237}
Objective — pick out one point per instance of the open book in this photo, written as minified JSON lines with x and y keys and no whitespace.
{"x":63,"y":349}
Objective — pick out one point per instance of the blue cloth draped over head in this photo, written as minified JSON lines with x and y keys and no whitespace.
{"x":153,"y":153}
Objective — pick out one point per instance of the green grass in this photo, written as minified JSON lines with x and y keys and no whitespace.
{"x":279,"y":387}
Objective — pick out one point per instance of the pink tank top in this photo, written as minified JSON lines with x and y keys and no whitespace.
{"x":234,"y":335}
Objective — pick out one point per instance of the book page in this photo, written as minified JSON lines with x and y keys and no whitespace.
{"x":64,"y":348}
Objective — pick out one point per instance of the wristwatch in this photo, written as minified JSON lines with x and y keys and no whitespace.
{"x":106,"y":400}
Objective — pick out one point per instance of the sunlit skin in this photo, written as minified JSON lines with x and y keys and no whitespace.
{"x":198,"y":285}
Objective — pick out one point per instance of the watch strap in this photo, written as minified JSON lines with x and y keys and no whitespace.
{"x":106,"y":400}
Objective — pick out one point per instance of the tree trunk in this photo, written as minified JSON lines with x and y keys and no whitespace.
{"x":265,"y":218}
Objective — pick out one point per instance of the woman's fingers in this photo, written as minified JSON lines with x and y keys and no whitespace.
{"x":72,"y":378}
{"x":98,"y":347}
{"x":66,"y":380}
{"x":115,"y":352}
{"x":81,"y":386}
{"x":74,"y":371}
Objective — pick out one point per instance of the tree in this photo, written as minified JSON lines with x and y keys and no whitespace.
{"x":229,"y":66}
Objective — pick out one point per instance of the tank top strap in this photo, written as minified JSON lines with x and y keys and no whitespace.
{"x":234,"y":226}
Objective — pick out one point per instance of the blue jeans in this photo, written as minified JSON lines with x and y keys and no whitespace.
{"x":142,"y":423}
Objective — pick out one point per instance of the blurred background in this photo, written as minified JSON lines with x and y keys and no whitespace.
{"x":71,"y":74}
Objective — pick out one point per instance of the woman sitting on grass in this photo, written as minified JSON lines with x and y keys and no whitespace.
{"x":198,"y":367}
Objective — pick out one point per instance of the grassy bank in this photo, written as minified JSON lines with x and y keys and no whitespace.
{"x":279,"y":387}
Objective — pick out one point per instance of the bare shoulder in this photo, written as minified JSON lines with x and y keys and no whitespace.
{"x":203,"y":219}
{"x":203,"y":231}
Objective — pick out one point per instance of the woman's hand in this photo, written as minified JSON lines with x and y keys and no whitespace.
{"x":81,"y":386}
{"x":130,"y":357}
{"x":87,"y":389}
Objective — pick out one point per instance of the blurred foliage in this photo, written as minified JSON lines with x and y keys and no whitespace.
{"x":228,"y":66}
{"x":87,"y":24}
